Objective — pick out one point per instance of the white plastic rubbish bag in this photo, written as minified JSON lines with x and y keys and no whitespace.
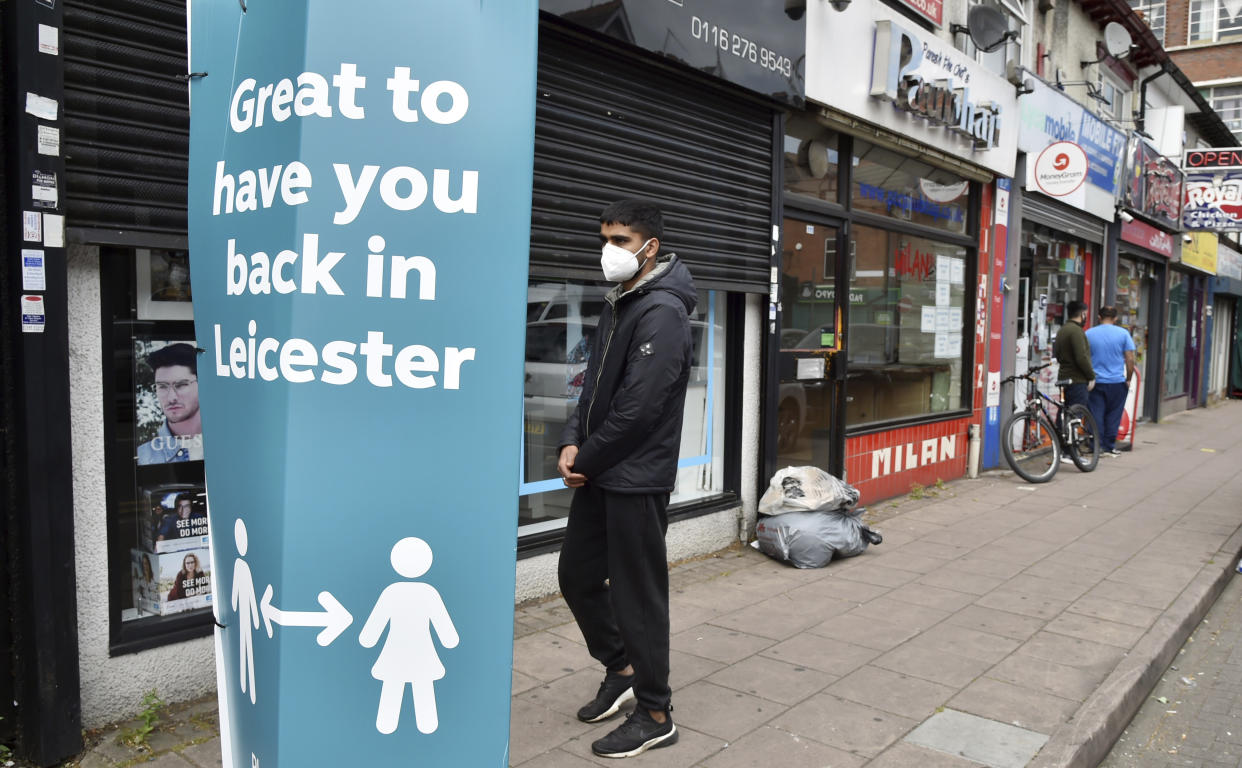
{"x":800,"y":489}
{"x":813,"y":539}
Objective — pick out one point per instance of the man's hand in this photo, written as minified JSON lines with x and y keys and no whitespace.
{"x":566,"y":467}
{"x":1091,"y":385}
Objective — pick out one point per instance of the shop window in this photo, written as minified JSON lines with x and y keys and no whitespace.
{"x":157,"y":505}
{"x":894,"y":185}
{"x":811,"y":159}
{"x":1052,"y":270}
{"x":907,"y":331}
{"x":558,"y":343}
{"x":1151,"y":12}
{"x":1215,"y":20}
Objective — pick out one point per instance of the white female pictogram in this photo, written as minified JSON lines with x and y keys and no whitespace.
{"x":410,"y":610}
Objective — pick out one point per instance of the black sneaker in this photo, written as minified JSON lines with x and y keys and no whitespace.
{"x":639,"y":733}
{"x":613,"y":692}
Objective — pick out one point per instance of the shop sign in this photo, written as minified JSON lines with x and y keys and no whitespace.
{"x":1144,"y":235}
{"x":871,"y":62}
{"x":907,"y":456}
{"x":1229,"y":157}
{"x":941,"y":101}
{"x":755,"y":44}
{"x":1213,"y":200}
{"x":932,"y":10}
{"x":1228,"y":262}
{"x":1153,"y":184}
{"x":1060,"y":168}
{"x":1048,"y":116}
{"x":346,"y":181}
{"x":1200,"y":252}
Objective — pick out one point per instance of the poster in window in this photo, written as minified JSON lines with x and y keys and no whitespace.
{"x":176,"y":518}
{"x":171,"y":582}
{"x":167,"y":423}
{"x":164,"y":285}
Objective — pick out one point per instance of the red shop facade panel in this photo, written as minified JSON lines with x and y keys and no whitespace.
{"x":886,"y":464}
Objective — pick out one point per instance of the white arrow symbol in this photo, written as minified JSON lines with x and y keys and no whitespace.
{"x":334,"y":618}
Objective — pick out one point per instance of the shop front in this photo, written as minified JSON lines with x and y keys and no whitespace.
{"x":1225,"y":369}
{"x":1138,"y":292}
{"x":879,"y":354}
{"x":696,"y":130}
{"x":1152,"y":198}
{"x":1072,"y":172}
{"x":1187,"y":333}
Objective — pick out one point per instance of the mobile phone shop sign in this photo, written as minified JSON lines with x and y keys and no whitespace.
{"x":358,"y":171}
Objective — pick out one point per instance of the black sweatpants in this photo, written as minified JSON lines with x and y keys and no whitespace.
{"x":618,"y":538}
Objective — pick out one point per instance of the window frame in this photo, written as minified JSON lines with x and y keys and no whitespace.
{"x":1213,"y":34}
{"x":843,"y":211}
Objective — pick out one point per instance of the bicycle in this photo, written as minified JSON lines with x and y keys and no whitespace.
{"x":1033,"y":446}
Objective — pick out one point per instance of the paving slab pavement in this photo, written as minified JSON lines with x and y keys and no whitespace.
{"x":999,"y":623}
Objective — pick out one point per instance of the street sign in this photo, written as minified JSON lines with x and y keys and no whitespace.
{"x":357,"y":172}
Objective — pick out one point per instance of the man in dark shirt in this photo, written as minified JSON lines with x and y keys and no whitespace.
{"x":619,"y":452}
{"x":1074,"y":355}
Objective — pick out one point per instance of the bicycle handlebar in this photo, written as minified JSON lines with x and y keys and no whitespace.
{"x":1026,"y":375}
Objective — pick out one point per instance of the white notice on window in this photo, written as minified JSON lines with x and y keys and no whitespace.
{"x":957,"y":270}
{"x":33,"y":276}
{"x":810,"y":368}
{"x":943,"y":270}
{"x":49,"y":140}
{"x":942,"y":344}
{"x":54,"y":230}
{"x":929,"y":320}
{"x":942,"y":319}
{"x":49,"y":40}
{"x":955,"y":317}
{"x":955,"y":344}
{"x":942,"y":294}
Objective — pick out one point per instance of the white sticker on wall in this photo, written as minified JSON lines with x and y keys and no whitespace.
{"x":34,"y":278}
{"x":49,"y":140}
{"x":53,"y":230}
{"x":32,"y":227}
{"x":34,"y":317}
{"x":49,"y":40}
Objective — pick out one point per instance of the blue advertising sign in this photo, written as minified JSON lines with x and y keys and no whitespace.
{"x":1105,"y":146}
{"x":359,"y":203}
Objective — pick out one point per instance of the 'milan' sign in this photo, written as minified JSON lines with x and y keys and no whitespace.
{"x":945,"y":101}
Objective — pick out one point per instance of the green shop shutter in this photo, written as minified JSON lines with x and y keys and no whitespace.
{"x":127,"y":121}
{"x":608,"y":126}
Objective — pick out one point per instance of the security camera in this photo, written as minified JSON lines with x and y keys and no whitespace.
{"x":1188,"y":238}
{"x":839,"y":5}
{"x":1125,"y":216}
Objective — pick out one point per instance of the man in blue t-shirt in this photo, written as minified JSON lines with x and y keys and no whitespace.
{"x":1112,"y":356}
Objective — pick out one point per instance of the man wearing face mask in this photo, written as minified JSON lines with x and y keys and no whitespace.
{"x":619,"y":452}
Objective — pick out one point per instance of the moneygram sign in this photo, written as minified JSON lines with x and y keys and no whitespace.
{"x":1061,"y":168}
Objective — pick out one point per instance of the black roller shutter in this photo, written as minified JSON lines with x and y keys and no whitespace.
{"x":1061,"y":217}
{"x":127,"y":121}
{"x":608,"y":127}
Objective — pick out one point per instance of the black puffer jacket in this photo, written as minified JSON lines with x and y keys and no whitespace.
{"x":627,"y":425}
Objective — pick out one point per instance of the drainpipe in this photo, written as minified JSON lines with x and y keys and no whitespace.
{"x":1139,"y":122}
{"x":972,"y":454}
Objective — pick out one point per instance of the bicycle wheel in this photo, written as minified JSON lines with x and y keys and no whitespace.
{"x":1082,"y":437}
{"x":1031,"y":447}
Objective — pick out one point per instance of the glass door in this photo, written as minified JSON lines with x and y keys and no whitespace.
{"x":809,"y":340}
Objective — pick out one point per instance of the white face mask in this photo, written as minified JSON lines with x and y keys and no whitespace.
{"x":619,"y":264}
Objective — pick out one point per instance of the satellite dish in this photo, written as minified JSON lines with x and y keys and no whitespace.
{"x":1117,"y":39}
{"x":987,"y":28}
{"x":817,"y":158}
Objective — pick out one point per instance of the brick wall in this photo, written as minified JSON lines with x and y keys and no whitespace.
{"x":1210,"y":62}
{"x":1176,"y":23}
